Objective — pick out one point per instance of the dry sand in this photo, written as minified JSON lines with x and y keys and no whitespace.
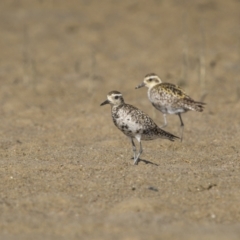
{"x":66,"y":171}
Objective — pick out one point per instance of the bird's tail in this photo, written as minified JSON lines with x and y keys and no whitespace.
{"x":193,"y":105}
{"x":166,"y":135}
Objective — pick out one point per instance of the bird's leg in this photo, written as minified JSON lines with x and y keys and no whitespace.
{"x":165,"y":121}
{"x":139,"y":153}
{"x":182,"y":125}
{"x":133,"y":148}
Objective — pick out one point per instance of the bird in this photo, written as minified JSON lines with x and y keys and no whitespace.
{"x":169,"y":98}
{"x":134,"y":123}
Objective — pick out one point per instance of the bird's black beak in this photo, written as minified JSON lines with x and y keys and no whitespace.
{"x":105,"y":102}
{"x":140,"y":85}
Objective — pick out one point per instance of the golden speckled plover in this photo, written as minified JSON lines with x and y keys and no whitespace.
{"x":134,"y":123}
{"x":169,"y":98}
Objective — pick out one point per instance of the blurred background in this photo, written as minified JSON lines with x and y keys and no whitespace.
{"x":58,"y":148}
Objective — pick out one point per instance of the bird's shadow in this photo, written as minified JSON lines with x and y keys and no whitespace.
{"x":146,"y":162}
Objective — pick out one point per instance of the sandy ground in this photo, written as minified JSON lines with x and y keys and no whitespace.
{"x":66,"y":171}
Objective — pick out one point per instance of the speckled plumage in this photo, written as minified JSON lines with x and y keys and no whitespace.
{"x":169,"y":98}
{"x":133,"y":122}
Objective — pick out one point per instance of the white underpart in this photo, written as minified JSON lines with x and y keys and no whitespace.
{"x":126,"y":119}
{"x":138,"y":137}
{"x":133,"y":126}
{"x":149,"y":95}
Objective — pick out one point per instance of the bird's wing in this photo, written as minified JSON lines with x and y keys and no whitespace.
{"x":139,"y":117}
{"x":172,"y":90}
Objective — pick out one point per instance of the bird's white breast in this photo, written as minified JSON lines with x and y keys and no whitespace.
{"x":127,"y":120}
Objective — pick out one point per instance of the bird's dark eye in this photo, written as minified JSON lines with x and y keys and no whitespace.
{"x":116,"y":97}
{"x":150,"y":79}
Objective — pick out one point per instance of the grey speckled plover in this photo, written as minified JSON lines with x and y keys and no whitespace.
{"x":169,"y":98}
{"x":134,"y":123}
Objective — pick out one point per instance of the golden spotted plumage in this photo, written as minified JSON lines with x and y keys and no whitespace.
{"x":169,"y":98}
